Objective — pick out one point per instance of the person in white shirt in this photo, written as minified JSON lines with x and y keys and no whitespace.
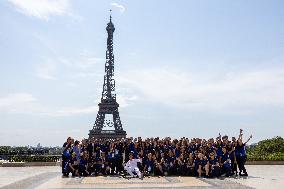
{"x":131,"y":166}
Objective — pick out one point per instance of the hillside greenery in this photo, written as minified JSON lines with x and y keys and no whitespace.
{"x":269,"y":149}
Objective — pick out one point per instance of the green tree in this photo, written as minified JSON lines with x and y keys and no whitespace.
{"x":269,"y":149}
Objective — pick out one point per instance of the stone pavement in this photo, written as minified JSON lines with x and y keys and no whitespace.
{"x":261,"y":176}
{"x":10,"y":175}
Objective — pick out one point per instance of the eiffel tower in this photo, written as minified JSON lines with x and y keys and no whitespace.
{"x":108,"y":104}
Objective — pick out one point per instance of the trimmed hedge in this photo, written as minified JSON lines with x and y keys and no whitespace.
{"x":269,"y":157}
{"x":24,"y":150}
{"x":54,"y":158}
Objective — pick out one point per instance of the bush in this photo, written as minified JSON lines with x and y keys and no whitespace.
{"x":267,"y":150}
{"x":54,"y":158}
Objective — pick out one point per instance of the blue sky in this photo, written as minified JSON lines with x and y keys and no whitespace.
{"x":182,"y":68}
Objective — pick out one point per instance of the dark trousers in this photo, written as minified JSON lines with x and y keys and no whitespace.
{"x":65,"y":167}
{"x":119,"y":163}
{"x":241,"y":160}
{"x":190,"y":171}
{"x":82,"y":170}
{"x":226,"y":168}
{"x":215,"y":171}
{"x":234,"y":166}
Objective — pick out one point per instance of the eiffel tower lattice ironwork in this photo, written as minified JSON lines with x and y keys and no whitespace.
{"x":108,"y":104}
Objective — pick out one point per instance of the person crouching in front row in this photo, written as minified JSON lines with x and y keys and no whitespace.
{"x":83,"y":165}
{"x":225,"y":162}
{"x":131,"y":166}
{"x":73,"y":165}
{"x":213,"y":165}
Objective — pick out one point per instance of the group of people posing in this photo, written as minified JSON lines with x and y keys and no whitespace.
{"x":155,"y":156}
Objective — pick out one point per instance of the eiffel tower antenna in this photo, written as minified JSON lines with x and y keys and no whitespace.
{"x":108,"y":104}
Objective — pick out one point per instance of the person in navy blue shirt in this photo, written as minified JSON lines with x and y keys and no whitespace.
{"x":200,"y":164}
{"x":231,"y":150}
{"x":83,"y":165}
{"x":73,"y":165}
{"x":149,"y":164}
{"x":92,"y":163}
{"x":90,"y":148}
{"x":219,"y":146}
{"x":190,"y":165}
{"x":225,"y":162}
{"x":77,"y":149}
{"x":241,"y":154}
{"x":158,"y":169}
{"x":66,"y":155}
{"x":171,"y":160}
{"x":105,"y":164}
{"x":213,"y":165}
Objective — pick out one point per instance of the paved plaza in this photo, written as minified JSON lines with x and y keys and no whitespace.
{"x":261,"y":176}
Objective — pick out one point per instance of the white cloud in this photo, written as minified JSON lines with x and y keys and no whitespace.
{"x":25,"y":103}
{"x":17,"y":102}
{"x":76,"y":110}
{"x":82,"y":66}
{"x":42,"y":9}
{"x":203,"y":91}
{"x":46,"y":70}
{"x":119,"y":6}
{"x":84,"y":61}
{"x":15,"y":99}
{"x":125,"y":101}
